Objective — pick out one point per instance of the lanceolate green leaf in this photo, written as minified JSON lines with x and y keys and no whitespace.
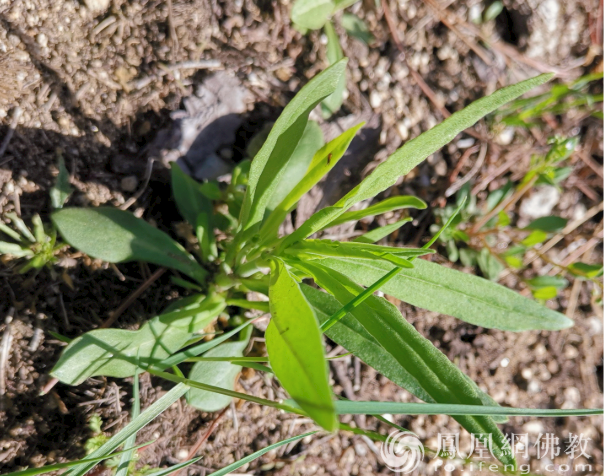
{"x":414,"y":152}
{"x":388,"y":205}
{"x":381,"y":232}
{"x":323,"y":161}
{"x":268,"y":165}
{"x":333,"y":102}
{"x":295,"y":350}
{"x":467,"y":297}
{"x":116,"y":236}
{"x":342,"y":249}
{"x":312,"y":14}
{"x":110,"y":352}
{"x":350,"y":334}
{"x":310,"y":142}
{"x":431,"y":369}
{"x":218,"y":374}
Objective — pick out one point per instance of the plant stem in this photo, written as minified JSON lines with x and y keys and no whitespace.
{"x":223,"y":391}
{"x":359,"y":299}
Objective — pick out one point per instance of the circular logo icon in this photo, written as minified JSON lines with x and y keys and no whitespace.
{"x":402,"y":451}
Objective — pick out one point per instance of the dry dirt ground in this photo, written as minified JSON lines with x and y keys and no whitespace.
{"x":97,"y":82}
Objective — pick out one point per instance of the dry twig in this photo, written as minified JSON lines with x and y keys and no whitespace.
{"x":7,"y":339}
{"x":128,"y":203}
{"x":130,"y":299}
{"x":475,"y":169}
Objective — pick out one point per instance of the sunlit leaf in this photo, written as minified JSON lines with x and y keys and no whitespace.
{"x":412,"y":153}
{"x":382,"y":232}
{"x":312,"y":14}
{"x":536,"y":237}
{"x":269,"y":164}
{"x":585,"y":270}
{"x":323,"y":161}
{"x":467,"y":297}
{"x":310,"y":142}
{"x":295,"y":350}
{"x":429,"y":368}
{"x":385,"y":206}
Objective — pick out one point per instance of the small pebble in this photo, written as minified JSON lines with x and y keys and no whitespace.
{"x":375,"y":99}
{"x":465,"y":143}
{"x":284,"y":74}
{"x":505,"y":362}
{"x":360,"y":449}
{"x":226,"y":153}
{"x":440,"y":168}
{"x":534,"y":427}
{"x":553,"y":367}
{"x":572,"y":395}
{"x":96,"y":6}
{"x":42,"y":40}
{"x":129,"y":184}
{"x":182,"y":455}
{"x":506,"y":136}
{"x":570,"y":352}
{"x":526,"y":373}
{"x":595,"y":325}
{"x":402,"y":129}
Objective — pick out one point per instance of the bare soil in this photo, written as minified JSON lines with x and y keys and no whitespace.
{"x":93,"y":86}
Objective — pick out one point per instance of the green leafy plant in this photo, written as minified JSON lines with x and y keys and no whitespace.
{"x":559,"y":99}
{"x":250,"y":254}
{"x":38,"y":245}
{"x":316,"y":14}
{"x":474,"y":232}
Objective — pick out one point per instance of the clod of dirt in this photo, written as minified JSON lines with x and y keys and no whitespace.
{"x":207,"y":125}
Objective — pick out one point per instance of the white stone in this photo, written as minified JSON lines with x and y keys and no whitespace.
{"x":506,"y":136}
{"x":540,"y":203}
{"x":42,"y":40}
{"x":375,"y":99}
{"x":97,"y":6}
{"x":534,"y":427}
{"x":595,"y":325}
